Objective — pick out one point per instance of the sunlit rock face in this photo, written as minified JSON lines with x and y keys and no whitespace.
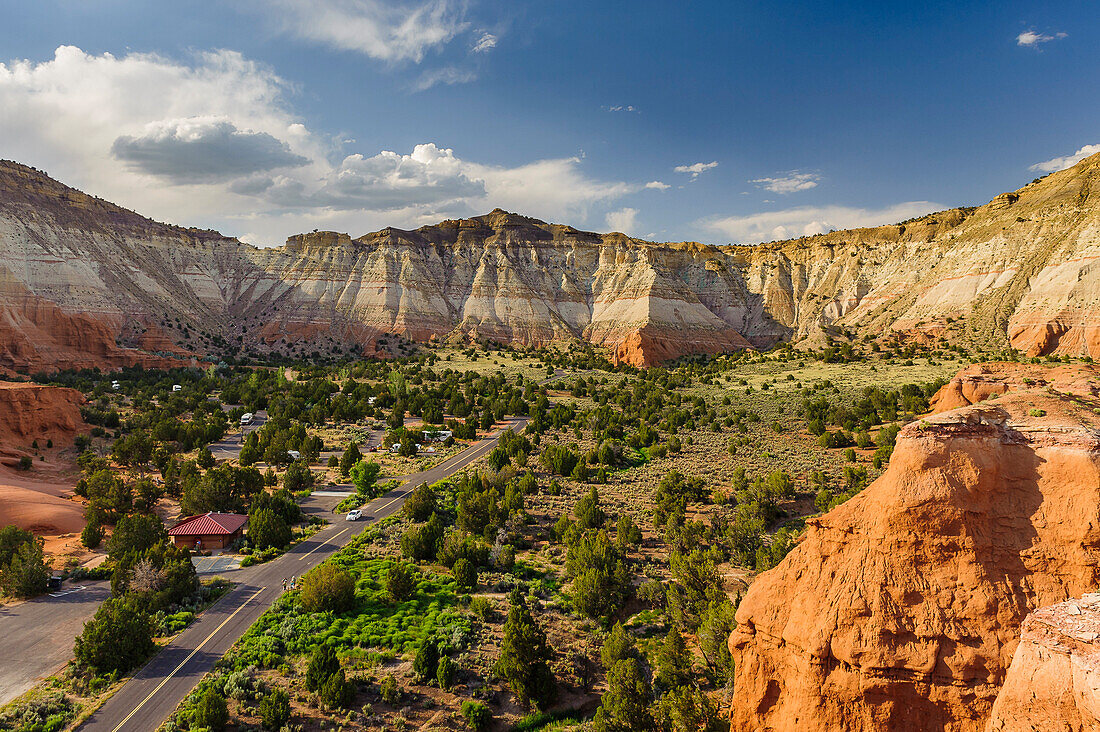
{"x":85,"y":282}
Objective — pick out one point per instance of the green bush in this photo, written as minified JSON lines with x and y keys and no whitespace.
{"x":465,"y":575}
{"x":482,"y":608}
{"x":389,"y":690}
{"x":275,"y":710}
{"x":118,"y":637}
{"x":421,"y":504}
{"x":92,"y":535}
{"x":426,"y":661}
{"x":322,"y":664}
{"x":445,"y":673}
{"x":25,"y":574}
{"x":327,"y":588}
{"x":400,"y":581}
{"x":211,"y":711}
{"x":337,"y":692}
{"x":268,"y":529}
{"x":477,"y":715}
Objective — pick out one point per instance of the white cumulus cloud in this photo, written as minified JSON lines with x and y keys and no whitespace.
{"x":791,"y":182}
{"x":696,"y":168}
{"x":623,"y":220}
{"x":216,"y":142}
{"x":657,"y":185}
{"x":1032,"y":38}
{"x":1066,"y":161}
{"x":810,"y":220}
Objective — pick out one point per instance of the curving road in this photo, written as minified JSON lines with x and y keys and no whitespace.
{"x":149,"y":698}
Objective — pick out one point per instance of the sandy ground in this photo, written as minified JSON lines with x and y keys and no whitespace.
{"x":41,"y":500}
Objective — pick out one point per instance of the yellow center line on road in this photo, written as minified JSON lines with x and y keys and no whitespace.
{"x":320,"y":545}
{"x":184,"y":661}
{"x":395,"y":498}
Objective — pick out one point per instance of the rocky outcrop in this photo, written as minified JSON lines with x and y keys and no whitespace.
{"x":900,"y":609}
{"x":1019,"y":270}
{"x":30,"y":412}
{"x":1054,"y":680}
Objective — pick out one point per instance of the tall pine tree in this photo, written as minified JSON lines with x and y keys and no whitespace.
{"x":525,"y":655}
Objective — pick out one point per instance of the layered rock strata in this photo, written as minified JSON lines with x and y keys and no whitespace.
{"x":83,"y":281}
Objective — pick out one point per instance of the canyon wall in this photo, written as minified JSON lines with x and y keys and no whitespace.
{"x":85,"y":282}
{"x":901,"y":608}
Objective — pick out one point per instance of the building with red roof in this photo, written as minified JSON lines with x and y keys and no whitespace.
{"x":208,"y":530}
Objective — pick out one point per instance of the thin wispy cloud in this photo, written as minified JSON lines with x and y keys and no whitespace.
{"x":448,"y":75}
{"x":1065,"y":161}
{"x":811,"y":220}
{"x":1033,"y":38}
{"x":791,"y":182}
{"x":386,"y":30}
{"x":623,"y":108}
{"x":696,"y":168}
{"x":487,"y":42}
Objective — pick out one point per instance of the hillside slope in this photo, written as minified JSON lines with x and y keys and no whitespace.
{"x":84,"y":282}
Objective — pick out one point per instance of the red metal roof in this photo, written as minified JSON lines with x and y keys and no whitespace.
{"x":209,"y":524}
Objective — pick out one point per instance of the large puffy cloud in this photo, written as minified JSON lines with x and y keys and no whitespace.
{"x":810,"y":220}
{"x":429,"y":177}
{"x":200,"y":150}
{"x":105,"y":123}
{"x":221,"y":131}
{"x":1066,"y":161}
{"x":387,"y":30}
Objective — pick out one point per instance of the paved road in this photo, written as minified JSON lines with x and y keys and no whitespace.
{"x":150,"y":697}
{"x":229,"y":448}
{"x":38,"y":634}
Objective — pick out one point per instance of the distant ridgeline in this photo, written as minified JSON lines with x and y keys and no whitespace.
{"x":86,"y":283}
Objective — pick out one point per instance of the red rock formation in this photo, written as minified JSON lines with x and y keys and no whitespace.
{"x":649,"y":346}
{"x":1054,"y":680}
{"x":900,"y":609}
{"x":37,"y":335}
{"x":30,"y":412}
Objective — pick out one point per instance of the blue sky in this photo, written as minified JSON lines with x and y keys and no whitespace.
{"x":711,"y":121}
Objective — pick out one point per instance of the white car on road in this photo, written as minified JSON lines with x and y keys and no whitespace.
{"x":354,"y":515}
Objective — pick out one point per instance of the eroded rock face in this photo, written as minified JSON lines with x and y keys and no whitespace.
{"x":1054,"y":680}
{"x":900,"y":609}
{"x":30,"y":412}
{"x":1019,"y":270}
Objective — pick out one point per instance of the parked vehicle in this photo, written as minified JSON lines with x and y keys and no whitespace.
{"x":294,"y":454}
{"x":246,"y":418}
